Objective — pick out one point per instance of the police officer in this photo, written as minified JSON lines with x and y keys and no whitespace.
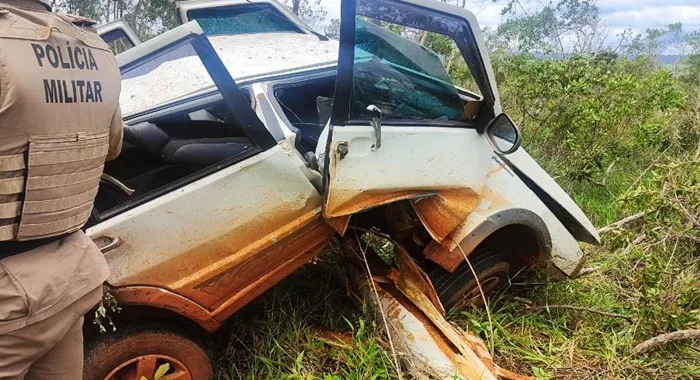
{"x":59,"y":123}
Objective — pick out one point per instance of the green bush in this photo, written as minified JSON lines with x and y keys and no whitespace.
{"x":581,"y":114}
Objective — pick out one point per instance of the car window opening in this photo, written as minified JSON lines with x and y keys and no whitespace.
{"x":307,"y":106}
{"x":118,"y":41}
{"x":404,"y":78}
{"x":166,"y":149}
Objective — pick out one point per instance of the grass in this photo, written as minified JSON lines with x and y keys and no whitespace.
{"x":655,"y":281}
{"x":307,"y":327}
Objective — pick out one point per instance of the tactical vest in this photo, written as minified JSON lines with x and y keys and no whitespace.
{"x":59,"y":89}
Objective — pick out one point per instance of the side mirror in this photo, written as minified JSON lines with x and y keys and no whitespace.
{"x":503,"y":134}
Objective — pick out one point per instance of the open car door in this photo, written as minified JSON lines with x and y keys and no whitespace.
{"x":400,"y":128}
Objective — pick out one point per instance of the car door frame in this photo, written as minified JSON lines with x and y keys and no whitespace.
{"x":226,"y":88}
{"x":456,"y":220}
{"x":470,"y":43}
{"x":183,"y":7}
{"x":122,"y":26}
{"x":232,"y":95}
{"x":216,"y":279}
{"x":461,"y":29}
{"x":462,"y":33}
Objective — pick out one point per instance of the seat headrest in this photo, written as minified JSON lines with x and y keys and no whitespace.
{"x":146,"y":136}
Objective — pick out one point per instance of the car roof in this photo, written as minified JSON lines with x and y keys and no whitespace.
{"x":246,"y":57}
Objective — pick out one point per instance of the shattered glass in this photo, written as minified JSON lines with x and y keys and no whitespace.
{"x":242,"y":19}
{"x":404,"y":79}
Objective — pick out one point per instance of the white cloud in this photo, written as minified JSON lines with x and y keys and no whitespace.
{"x":618,"y":15}
{"x":654,"y":17}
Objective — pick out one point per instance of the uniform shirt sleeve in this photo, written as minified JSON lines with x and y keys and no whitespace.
{"x":116,"y":134}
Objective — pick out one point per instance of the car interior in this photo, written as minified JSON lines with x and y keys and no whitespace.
{"x":307,"y":105}
{"x":160,"y":151}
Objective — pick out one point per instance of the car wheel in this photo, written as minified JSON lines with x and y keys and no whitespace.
{"x":461,"y":288}
{"x":131,"y":354}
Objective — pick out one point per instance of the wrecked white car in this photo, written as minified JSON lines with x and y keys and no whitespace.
{"x":244,"y":154}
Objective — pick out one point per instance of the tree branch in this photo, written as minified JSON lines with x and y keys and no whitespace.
{"x":664,"y":339}
{"x":571,"y":307}
{"x":621,"y":222}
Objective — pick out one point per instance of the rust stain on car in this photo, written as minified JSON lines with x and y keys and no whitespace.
{"x":339,"y":224}
{"x":466,"y":359}
{"x":442,"y":213}
{"x":368,"y":199}
{"x":401,"y":301}
{"x":238,"y":263}
{"x":256,"y":287}
{"x":221,"y":287}
{"x":448,"y":260}
{"x":162,"y":298}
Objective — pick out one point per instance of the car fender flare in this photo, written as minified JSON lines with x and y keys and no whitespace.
{"x":508,"y":217}
{"x":152,"y":296}
{"x":450,"y":253}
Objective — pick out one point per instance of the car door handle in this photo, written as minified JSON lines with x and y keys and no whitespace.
{"x":107,"y":243}
{"x":376,"y":124}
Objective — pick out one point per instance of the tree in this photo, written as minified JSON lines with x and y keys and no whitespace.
{"x":146,"y":17}
{"x":567,"y":26}
{"x":332,"y":30}
{"x":311,"y":11}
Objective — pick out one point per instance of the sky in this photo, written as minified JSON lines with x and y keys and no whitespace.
{"x":618,"y":15}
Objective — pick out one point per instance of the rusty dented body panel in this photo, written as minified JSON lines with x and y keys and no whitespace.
{"x":223,"y":240}
{"x":160,"y":298}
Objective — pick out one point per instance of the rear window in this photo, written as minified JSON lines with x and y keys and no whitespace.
{"x":242,"y":19}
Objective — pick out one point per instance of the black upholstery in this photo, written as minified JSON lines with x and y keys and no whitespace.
{"x":146,"y":136}
{"x":195,"y":150}
{"x":199,"y":129}
{"x":324,"y":106}
{"x":204,"y":152}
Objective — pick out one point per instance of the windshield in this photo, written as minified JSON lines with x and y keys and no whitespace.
{"x":242,"y":19}
{"x":404,"y":79}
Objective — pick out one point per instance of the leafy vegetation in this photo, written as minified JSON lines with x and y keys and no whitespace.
{"x":621,"y":133}
{"x":622,"y":136}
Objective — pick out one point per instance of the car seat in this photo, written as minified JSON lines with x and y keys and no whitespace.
{"x":194,"y":151}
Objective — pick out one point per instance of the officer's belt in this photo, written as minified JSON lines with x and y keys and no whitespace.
{"x":12,"y":248}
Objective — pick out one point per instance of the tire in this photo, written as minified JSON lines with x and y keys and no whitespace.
{"x":461,"y":289}
{"x":130,"y":354}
